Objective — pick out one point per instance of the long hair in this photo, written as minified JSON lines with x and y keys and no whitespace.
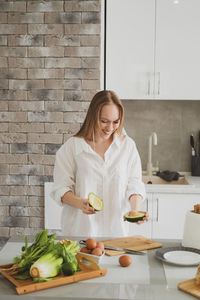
{"x":93,"y":114}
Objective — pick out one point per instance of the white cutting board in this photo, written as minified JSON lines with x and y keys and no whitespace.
{"x":52,"y":211}
{"x":9,"y":251}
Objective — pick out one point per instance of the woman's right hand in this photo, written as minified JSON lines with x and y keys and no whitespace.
{"x":86,"y":208}
{"x":77,"y":202}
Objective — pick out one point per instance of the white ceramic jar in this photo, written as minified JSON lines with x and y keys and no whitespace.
{"x":191,"y":234}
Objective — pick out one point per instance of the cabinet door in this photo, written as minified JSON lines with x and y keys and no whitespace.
{"x":177,"y":50}
{"x":144,"y":229}
{"x":169,"y":212}
{"x":130,"y":48}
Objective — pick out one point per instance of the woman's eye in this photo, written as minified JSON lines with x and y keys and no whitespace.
{"x":105,"y":122}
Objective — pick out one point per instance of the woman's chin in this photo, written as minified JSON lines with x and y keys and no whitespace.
{"x":106,"y":136}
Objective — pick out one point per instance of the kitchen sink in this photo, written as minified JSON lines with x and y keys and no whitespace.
{"x":157,"y":180}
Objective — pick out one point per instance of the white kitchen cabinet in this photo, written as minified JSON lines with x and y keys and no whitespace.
{"x":177,"y":48}
{"x":152,"y":49}
{"x":130,"y":47}
{"x":168,"y":214}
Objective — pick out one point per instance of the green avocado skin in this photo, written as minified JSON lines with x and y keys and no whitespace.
{"x":94,"y":208}
{"x":134,"y":219}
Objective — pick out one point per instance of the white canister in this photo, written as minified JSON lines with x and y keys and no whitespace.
{"x":191,"y":235}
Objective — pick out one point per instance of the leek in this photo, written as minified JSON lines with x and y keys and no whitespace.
{"x":48,"y":265}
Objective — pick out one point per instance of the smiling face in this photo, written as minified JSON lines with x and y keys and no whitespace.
{"x":105,"y":115}
{"x":109,"y":121}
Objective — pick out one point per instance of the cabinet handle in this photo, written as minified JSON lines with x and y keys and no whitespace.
{"x":148,"y":91}
{"x":147,"y":206}
{"x":158,"y":83}
{"x":157,"y":212}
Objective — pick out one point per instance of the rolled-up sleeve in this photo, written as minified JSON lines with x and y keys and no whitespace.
{"x":135,"y":184}
{"x":64,"y":172}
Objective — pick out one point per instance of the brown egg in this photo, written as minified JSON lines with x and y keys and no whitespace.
{"x":100,"y":245}
{"x":85,"y":250}
{"x":91,"y":243}
{"x":125,"y":260}
{"x":97,"y":251}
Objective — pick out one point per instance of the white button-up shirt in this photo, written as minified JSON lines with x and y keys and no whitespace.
{"x":78,"y":168}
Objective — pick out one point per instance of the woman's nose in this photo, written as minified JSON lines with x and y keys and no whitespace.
{"x":110,"y":126}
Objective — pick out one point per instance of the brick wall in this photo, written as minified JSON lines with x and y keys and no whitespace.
{"x":49,"y":71}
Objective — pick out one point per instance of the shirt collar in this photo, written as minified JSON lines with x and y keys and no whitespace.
{"x":117,"y":139}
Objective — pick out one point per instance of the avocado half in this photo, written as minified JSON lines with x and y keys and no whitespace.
{"x":133,"y":219}
{"x":95,"y":202}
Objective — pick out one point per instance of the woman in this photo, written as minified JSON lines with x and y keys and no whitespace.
{"x":102,"y":159}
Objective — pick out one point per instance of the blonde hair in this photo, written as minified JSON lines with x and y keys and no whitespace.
{"x":93,"y":114}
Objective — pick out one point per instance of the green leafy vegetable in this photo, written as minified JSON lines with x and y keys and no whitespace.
{"x":41,"y":279}
{"x":45,"y":259}
{"x":68,"y":251}
{"x":70,"y":264}
{"x":22,"y":276}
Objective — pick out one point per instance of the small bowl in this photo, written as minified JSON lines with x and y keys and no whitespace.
{"x":96,"y":258}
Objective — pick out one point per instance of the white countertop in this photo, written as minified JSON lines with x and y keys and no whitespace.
{"x":192,"y":188}
{"x":145,"y":279}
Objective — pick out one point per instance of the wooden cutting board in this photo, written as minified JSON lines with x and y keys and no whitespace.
{"x":88,"y":271}
{"x":137,"y":242}
{"x":190,"y":287}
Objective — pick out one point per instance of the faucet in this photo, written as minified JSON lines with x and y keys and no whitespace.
{"x":152,"y":138}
